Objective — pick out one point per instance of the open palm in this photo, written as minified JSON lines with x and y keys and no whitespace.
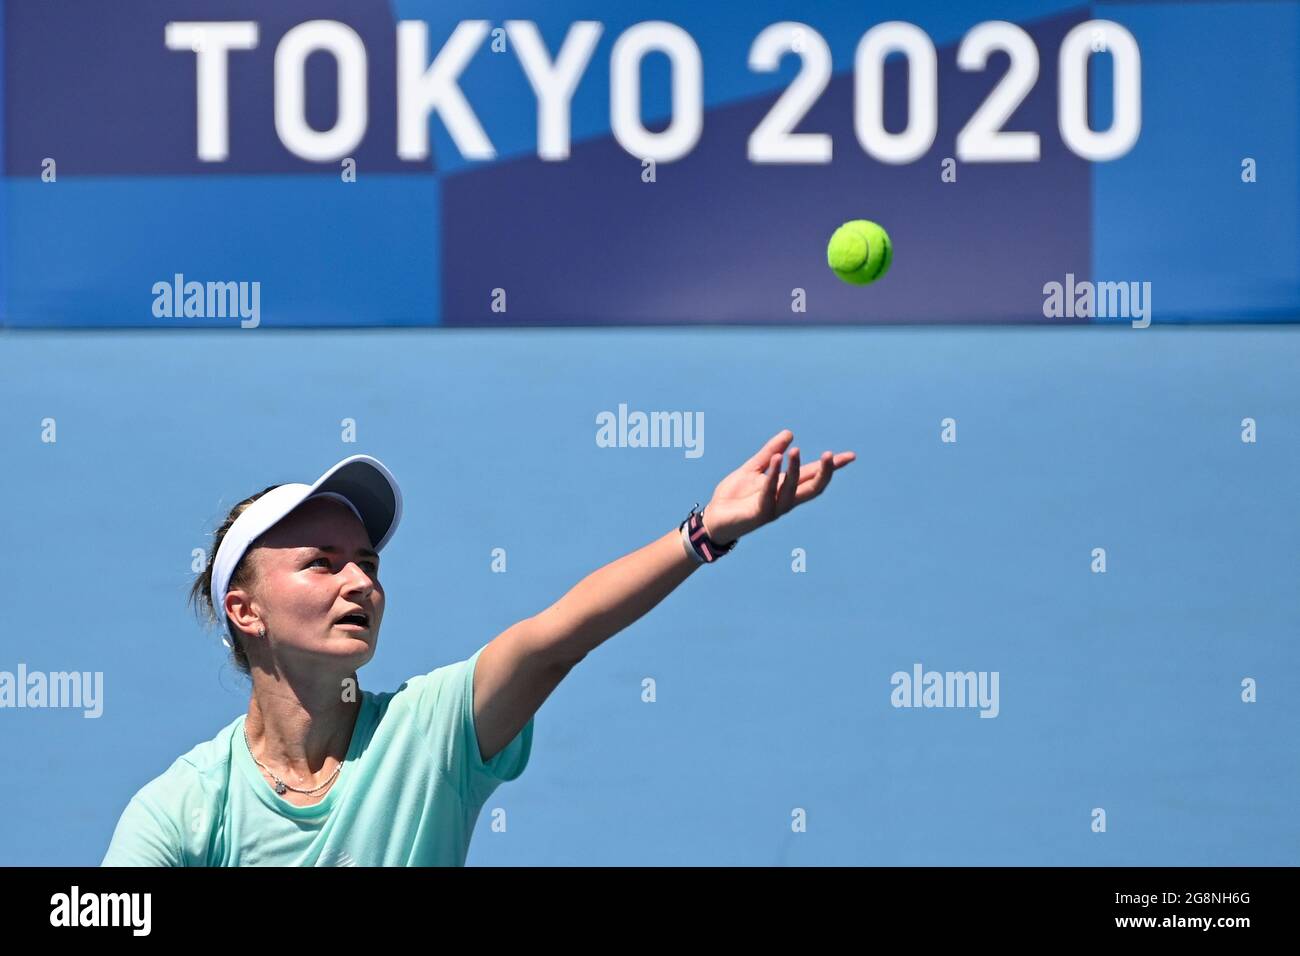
{"x":758,"y":491}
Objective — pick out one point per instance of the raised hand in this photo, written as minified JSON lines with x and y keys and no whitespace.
{"x":758,"y":492}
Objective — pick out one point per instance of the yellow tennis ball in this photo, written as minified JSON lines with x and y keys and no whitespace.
{"x":860,"y":252}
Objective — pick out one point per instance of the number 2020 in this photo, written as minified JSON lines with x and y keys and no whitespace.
{"x":982,"y":139}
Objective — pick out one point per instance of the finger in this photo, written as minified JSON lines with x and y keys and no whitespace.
{"x":769,"y":487}
{"x":828,"y":472}
{"x":775,"y":445}
{"x":815,"y":485}
{"x":785,"y":498}
{"x":812,"y":472}
{"x":810,"y":489}
{"x":809,"y":472}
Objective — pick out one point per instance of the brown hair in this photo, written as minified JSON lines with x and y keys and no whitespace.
{"x":242,"y":577}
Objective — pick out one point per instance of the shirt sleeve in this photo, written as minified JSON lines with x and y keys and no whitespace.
{"x":144,"y":837}
{"x":451,"y":716}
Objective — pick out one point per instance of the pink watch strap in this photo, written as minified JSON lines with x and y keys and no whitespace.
{"x":697,"y":539}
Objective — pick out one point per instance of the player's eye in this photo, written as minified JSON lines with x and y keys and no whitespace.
{"x":372,"y":567}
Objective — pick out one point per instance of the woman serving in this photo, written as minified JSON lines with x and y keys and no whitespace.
{"x":321,"y":773}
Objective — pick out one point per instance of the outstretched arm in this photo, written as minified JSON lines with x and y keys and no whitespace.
{"x":520,"y":667}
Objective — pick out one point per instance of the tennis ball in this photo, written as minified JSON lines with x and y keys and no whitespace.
{"x":860,"y":252}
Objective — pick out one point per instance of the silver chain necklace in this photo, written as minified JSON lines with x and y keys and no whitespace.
{"x":280,"y":785}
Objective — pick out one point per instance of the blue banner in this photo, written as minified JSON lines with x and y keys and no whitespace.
{"x":310,"y":163}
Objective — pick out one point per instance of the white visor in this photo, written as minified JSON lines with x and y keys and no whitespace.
{"x":360,"y":482}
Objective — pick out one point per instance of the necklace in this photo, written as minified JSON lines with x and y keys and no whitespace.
{"x":280,"y":785}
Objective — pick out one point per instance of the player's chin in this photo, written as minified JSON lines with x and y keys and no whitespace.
{"x":350,"y":650}
{"x":349,"y":639}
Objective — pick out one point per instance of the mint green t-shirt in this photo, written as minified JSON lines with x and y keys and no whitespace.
{"x":411,"y":788}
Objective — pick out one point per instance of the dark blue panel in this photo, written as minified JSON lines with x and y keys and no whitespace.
{"x":95,"y":87}
{"x":719,"y":239}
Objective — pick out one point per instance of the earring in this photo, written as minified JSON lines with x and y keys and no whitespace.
{"x":261,"y":631}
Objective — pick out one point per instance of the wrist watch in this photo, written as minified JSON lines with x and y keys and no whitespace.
{"x":696,"y":541}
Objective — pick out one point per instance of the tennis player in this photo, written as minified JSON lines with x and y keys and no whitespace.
{"x":321,"y":773}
